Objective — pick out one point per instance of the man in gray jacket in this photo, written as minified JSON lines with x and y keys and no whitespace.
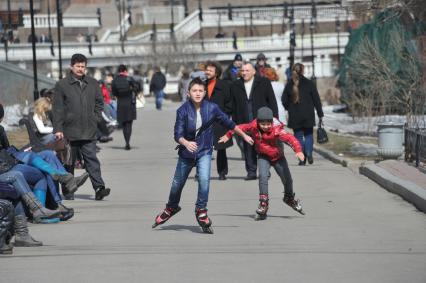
{"x":77,"y":107}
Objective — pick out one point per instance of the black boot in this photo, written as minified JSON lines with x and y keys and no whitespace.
{"x":22,"y":235}
{"x":38,"y":211}
{"x":101,"y":192}
{"x":68,"y":180}
{"x":66,"y":213}
{"x":7,"y":213}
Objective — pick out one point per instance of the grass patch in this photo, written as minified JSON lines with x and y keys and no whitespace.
{"x":341,"y":144}
{"x":18,"y":137}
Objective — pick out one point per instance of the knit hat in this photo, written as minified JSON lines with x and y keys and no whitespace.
{"x":265,"y":113}
{"x":238,"y":57}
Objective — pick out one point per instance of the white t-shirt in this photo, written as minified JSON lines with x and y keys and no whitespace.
{"x":248,"y":85}
{"x":42,"y":129}
{"x":198,"y":122}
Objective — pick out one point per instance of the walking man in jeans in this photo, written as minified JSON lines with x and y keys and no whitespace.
{"x":158,"y":82}
{"x":77,"y":108}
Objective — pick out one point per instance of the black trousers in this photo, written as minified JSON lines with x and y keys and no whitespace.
{"x":87,"y":150}
{"x":251,"y":159}
{"x":222,"y":162}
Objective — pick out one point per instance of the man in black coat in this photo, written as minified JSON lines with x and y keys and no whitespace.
{"x":218,"y":92}
{"x":77,"y":108}
{"x":249,"y":94}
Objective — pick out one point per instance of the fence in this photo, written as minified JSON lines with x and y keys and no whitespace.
{"x":415,"y":145}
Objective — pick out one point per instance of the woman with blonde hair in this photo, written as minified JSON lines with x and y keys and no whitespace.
{"x":301,"y":99}
{"x":42,"y":121}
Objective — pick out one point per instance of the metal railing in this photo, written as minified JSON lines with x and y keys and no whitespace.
{"x":325,"y":44}
{"x":415,"y":145}
{"x":42,"y":21}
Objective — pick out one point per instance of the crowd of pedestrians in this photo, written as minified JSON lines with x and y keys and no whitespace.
{"x":70,"y":119}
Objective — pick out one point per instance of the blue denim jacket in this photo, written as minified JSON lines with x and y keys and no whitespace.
{"x":185,"y":127}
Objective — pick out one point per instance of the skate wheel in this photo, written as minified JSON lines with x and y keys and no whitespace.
{"x":259,"y":217}
{"x":207,"y":230}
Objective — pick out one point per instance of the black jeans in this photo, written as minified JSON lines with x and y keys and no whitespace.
{"x":251,"y":159}
{"x":222,"y":162}
{"x":87,"y":149}
{"x":281,"y":167}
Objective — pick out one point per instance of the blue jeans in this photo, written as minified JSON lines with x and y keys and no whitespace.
{"x":38,"y":180}
{"x":17,"y":180}
{"x":33,"y":176}
{"x":48,"y":138}
{"x":183,"y":168}
{"x":306,"y":139}
{"x":159,"y":95}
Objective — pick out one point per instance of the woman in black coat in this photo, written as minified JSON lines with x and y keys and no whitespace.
{"x":300,"y":99}
{"x":125,"y":89}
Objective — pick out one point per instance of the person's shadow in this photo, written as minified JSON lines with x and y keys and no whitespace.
{"x":194,"y":229}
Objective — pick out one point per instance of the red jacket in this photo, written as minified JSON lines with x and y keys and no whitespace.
{"x":266,"y":143}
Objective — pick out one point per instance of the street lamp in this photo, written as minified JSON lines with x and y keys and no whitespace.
{"x":33,"y":41}
{"x":251,"y":22}
{"x":52,"y":49}
{"x":338,"y":26}
{"x":312,"y":30}
{"x":302,"y":35}
{"x":292,"y":37}
{"x":285,"y":15}
{"x":172,"y":24}
{"x":119,"y":6}
{"x":200,"y":8}
{"x":229,"y":11}
{"x":59,"y":25}
{"x":9,"y":16}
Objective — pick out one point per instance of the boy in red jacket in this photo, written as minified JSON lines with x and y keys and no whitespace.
{"x":266,"y":138}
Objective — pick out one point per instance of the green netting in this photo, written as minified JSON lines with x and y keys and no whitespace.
{"x":381,"y":67}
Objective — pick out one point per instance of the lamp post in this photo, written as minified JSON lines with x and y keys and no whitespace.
{"x":292,"y":37}
{"x":172,"y":25}
{"x":185,"y":6}
{"x":9,"y":15}
{"x":58,"y":25}
{"x":52,"y":47}
{"x":229,"y":11}
{"x":285,"y":15}
{"x":312,"y":30}
{"x":200,"y":8}
{"x":251,"y":22}
{"x":6,"y":48}
{"x":302,"y":35}
{"x":119,"y":5}
{"x":338,"y":26}
{"x":33,"y":41}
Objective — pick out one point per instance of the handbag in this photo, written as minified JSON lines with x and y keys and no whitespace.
{"x":321,"y":134}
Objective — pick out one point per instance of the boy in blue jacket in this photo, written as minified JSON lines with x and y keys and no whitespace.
{"x":194,"y":132}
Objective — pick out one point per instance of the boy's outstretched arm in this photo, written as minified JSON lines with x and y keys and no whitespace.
{"x":240,"y":130}
{"x":293,"y":143}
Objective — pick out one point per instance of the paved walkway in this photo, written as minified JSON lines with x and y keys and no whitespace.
{"x":354,"y":230}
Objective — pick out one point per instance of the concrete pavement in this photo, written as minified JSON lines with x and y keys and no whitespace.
{"x":354,"y":231}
